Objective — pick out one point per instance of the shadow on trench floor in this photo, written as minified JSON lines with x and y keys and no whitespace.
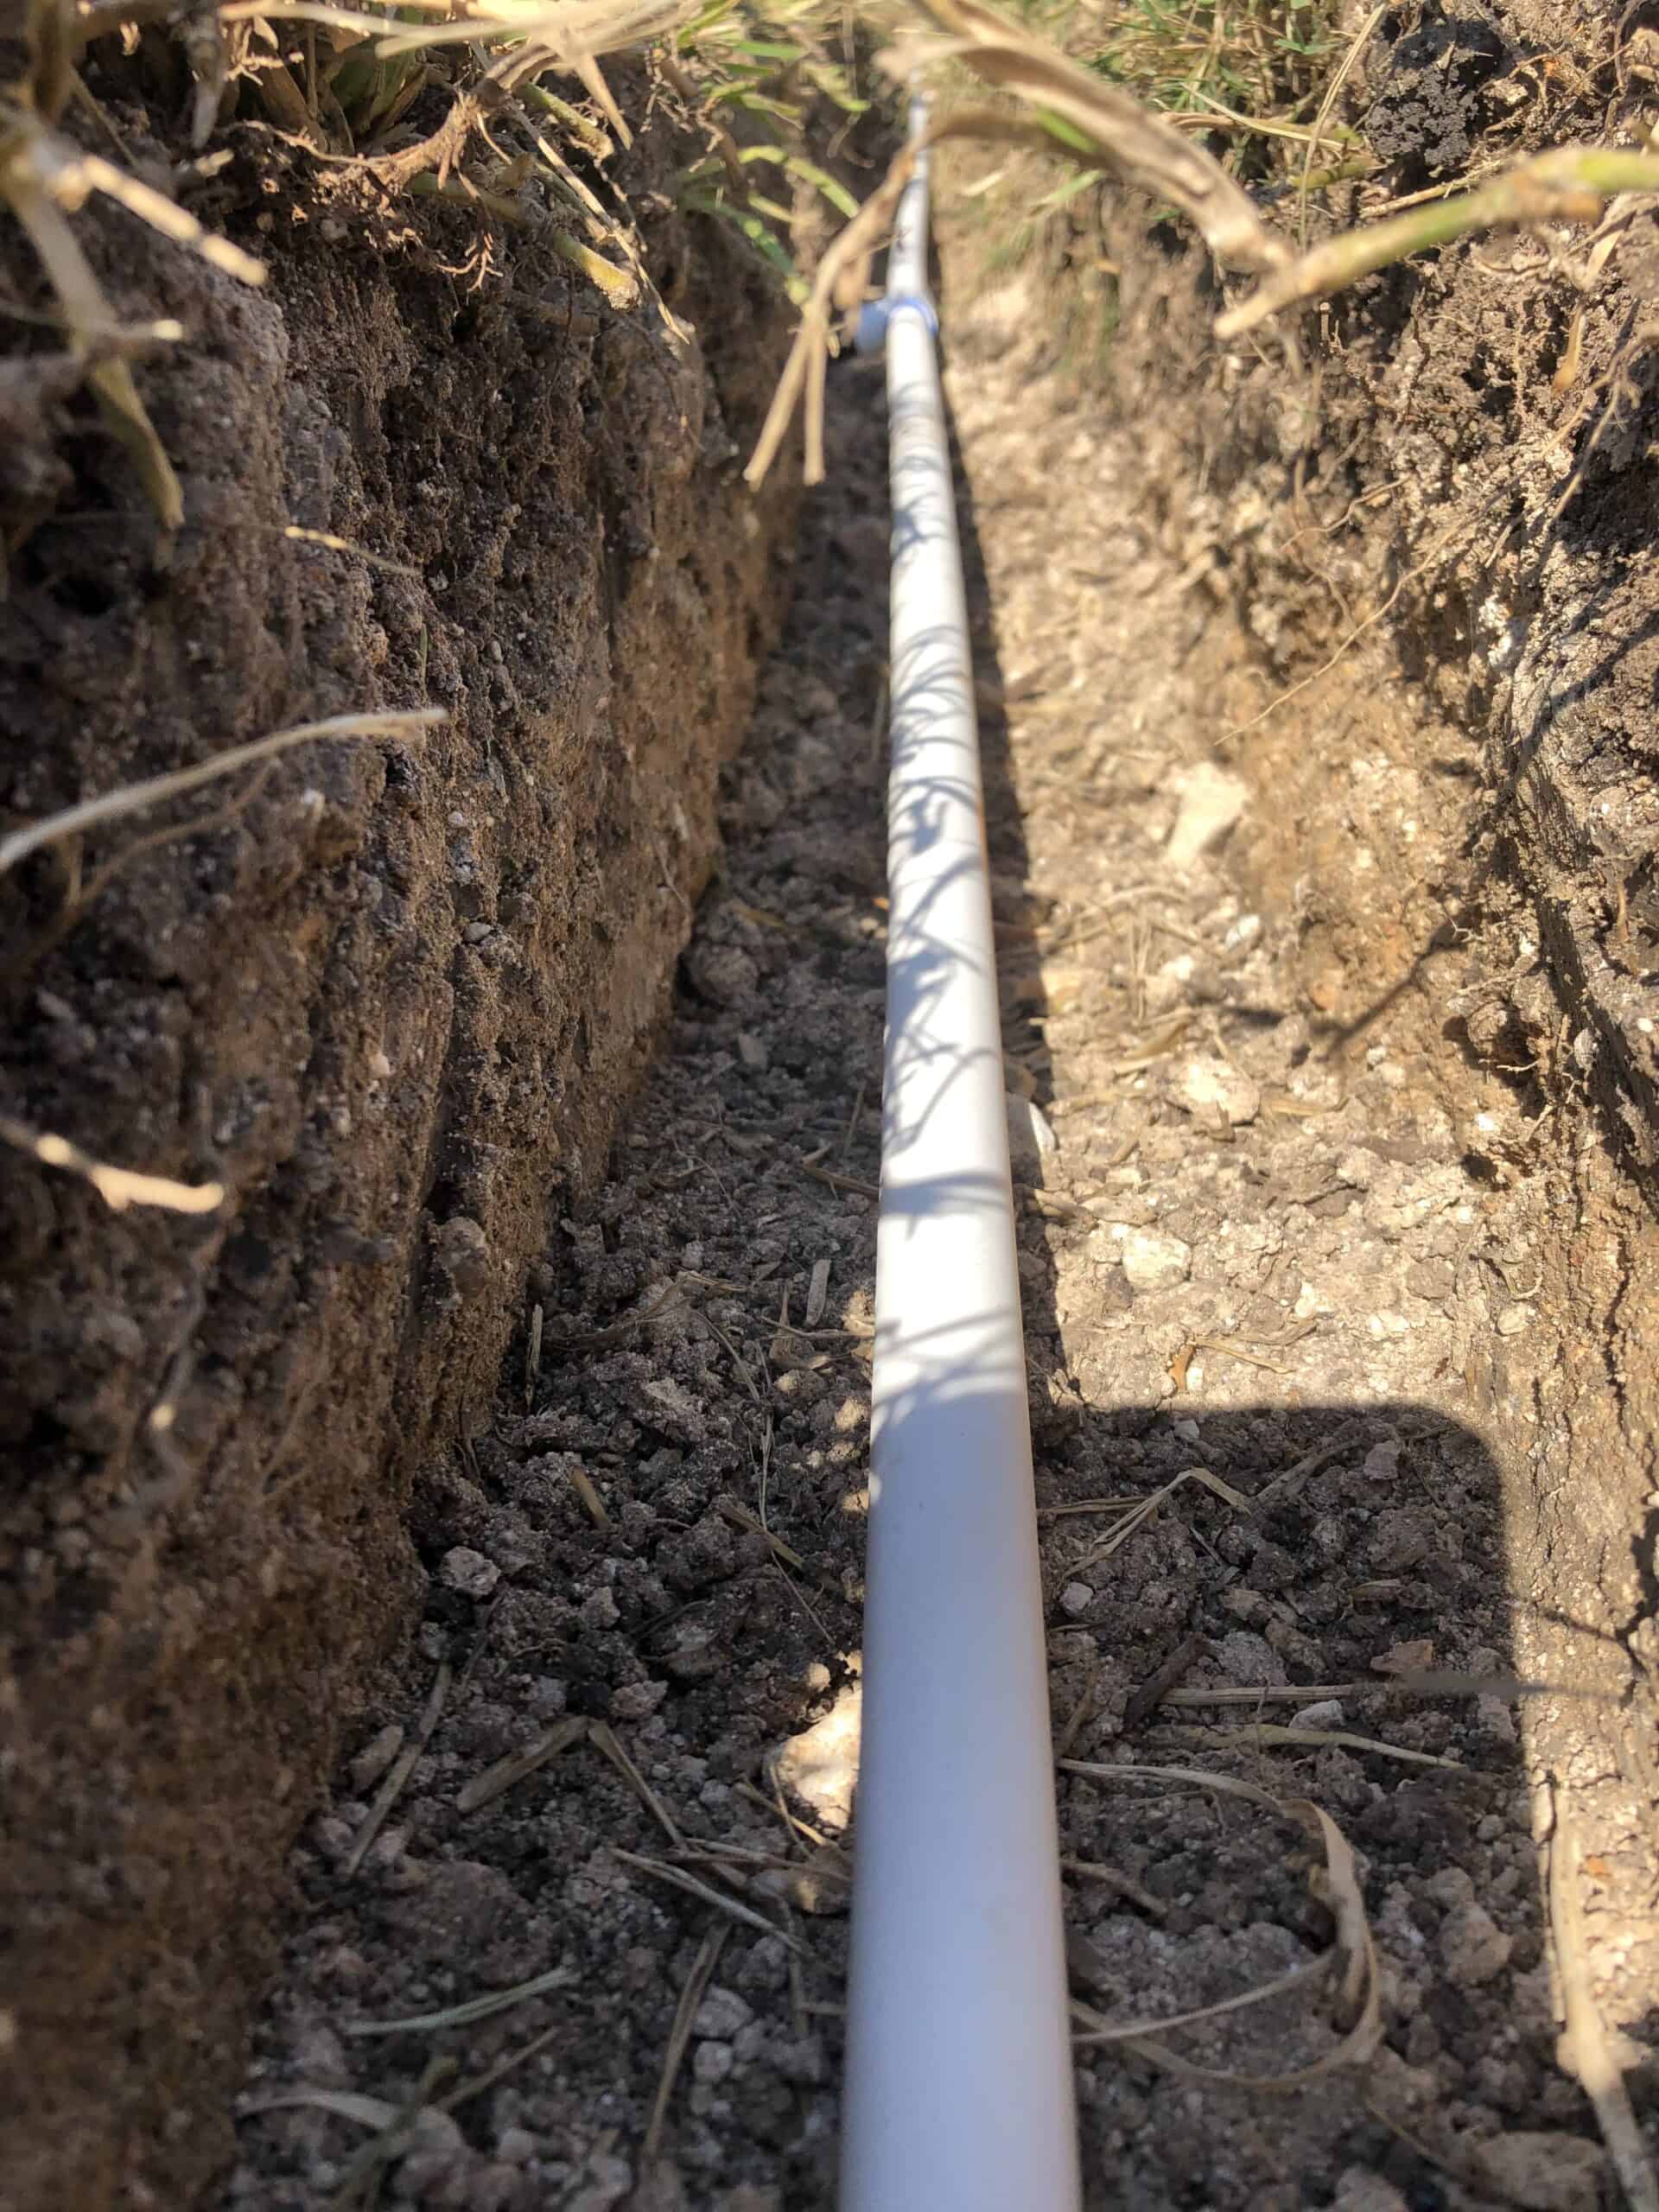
{"x":590,"y":1950}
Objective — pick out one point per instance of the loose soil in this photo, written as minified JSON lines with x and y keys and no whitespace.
{"x":1263,"y":1258}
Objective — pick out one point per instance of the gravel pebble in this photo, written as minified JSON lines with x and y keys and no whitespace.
{"x":468,"y":1571}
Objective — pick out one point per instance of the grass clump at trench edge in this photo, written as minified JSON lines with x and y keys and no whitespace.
{"x":500,"y":106}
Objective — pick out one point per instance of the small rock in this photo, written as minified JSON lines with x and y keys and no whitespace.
{"x":499,"y":2187}
{"x":1543,"y":2172}
{"x":1248,"y":1659}
{"x":468,"y":1571}
{"x":753,"y":1052}
{"x":1248,"y":1605}
{"x":462,"y":1250}
{"x":1076,"y":1598}
{"x":1510,"y":1323}
{"x":720,"y":2014}
{"x":1400,"y":1539}
{"x":1431,"y":1280}
{"x":1383,"y":1461}
{"x":1169,"y":987}
{"x":1450,"y":1887}
{"x":599,"y":1609}
{"x":1030,"y":1139}
{"x":1327,"y":1714}
{"x":821,"y":1765}
{"x":1210,"y":1086}
{"x":1358,"y":2190}
{"x":1416,"y":1658}
{"x":1494,"y":1719}
{"x":1153,"y":1261}
{"x":1473,"y":1946}
{"x":723,"y":974}
{"x":669,"y":1410}
{"x":638,"y":1701}
{"x":712,"y":2062}
{"x":1212,"y":802}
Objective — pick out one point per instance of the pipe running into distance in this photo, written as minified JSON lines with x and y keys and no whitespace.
{"x":958,"y":2094}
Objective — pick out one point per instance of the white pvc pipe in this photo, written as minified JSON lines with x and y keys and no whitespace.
{"x":958,"y":2085}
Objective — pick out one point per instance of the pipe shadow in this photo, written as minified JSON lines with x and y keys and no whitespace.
{"x":1266,"y":1620}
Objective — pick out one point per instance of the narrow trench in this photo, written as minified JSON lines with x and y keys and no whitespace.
{"x":1235,"y":1262}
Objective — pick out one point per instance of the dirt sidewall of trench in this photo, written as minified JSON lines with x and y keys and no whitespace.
{"x":393,"y":994}
{"x":1427,"y":633}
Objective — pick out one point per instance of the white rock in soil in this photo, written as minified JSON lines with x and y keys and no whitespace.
{"x":1212,"y":802}
{"x":1030,"y":1138}
{"x":1513,"y":1320}
{"x":1210,"y":1085}
{"x":470,"y":1572}
{"x":1543,"y":2172}
{"x":1327,"y":1714}
{"x":821,"y":1765}
{"x":1155,"y":1261}
{"x":1076,"y":1598}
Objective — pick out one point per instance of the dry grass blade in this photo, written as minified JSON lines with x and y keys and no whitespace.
{"x":345,"y":2104}
{"x":84,"y":312}
{"x":1357,"y":46}
{"x":1099,"y":2030}
{"x":360,"y":2183}
{"x":1584,"y":2050}
{"x":476,"y":2008}
{"x":72,"y":177}
{"x":325,"y":538}
{"x":841,"y":281}
{"x":1566,"y":185}
{"x":603,"y":1737}
{"x":402,"y":1767}
{"x":118,"y":1187}
{"x":518,"y":1766}
{"x":1093,"y":1870}
{"x":733,"y":1907}
{"x":361,"y":2179}
{"x":133,"y":798}
{"x":1144,"y":1511}
{"x":45,"y":178}
{"x":1268,"y":1735}
{"x":1093,"y":119}
{"x":476,"y":2084}
{"x":679,"y":2036}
